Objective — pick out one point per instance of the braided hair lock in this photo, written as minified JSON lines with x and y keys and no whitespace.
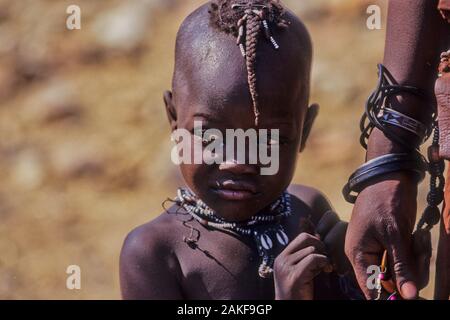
{"x":246,"y":20}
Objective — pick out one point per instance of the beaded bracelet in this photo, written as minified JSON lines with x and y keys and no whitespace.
{"x":380,"y":166}
{"x":436,"y":166}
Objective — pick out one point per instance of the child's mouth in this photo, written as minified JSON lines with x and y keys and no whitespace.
{"x":235,"y":190}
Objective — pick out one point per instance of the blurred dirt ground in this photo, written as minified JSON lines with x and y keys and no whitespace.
{"x":84,"y":143}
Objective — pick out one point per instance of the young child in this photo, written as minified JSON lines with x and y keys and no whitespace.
{"x":234,"y":233}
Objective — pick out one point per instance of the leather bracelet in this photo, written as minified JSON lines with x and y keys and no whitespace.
{"x":379,"y":115}
{"x":382,"y":165}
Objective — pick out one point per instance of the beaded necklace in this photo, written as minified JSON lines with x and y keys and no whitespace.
{"x":266,"y":230}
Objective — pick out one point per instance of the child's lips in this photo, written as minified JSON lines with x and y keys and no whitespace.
{"x":235,"y":190}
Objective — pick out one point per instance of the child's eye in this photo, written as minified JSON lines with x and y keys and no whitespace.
{"x":198,"y":134}
{"x":209,"y":138}
{"x":206,"y":138}
{"x":284,"y":141}
{"x":278,"y":142}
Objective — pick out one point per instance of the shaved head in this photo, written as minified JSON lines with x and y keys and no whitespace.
{"x":210,"y":66}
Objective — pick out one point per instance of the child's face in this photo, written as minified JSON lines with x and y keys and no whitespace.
{"x":211,"y":85}
{"x":238,"y":190}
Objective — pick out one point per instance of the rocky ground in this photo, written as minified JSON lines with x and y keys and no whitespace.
{"x":84,"y":144}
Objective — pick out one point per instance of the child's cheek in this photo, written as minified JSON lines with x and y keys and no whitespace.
{"x":287,"y":164}
{"x":196,"y":175}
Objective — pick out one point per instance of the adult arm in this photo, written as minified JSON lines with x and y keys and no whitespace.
{"x":385,"y":212}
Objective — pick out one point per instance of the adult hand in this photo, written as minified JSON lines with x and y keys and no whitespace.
{"x":383,"y":218}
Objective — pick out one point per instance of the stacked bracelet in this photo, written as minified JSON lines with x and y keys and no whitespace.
{"x":380,"y":166}
{"x":378,"y":115}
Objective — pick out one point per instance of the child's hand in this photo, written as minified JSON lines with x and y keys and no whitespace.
{"x":297,"y":266}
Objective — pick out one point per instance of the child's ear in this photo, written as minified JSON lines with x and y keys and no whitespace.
{"x":170,"y":109}
{"x":310,"y":117}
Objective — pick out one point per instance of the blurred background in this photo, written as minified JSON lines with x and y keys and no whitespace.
{"x":84,"y":141}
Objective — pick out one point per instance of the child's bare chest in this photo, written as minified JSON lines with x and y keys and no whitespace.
{"x":220,"y":266}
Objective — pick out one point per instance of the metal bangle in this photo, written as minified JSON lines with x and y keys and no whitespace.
{"x":398,"y":119}
{"x":380,"y":166}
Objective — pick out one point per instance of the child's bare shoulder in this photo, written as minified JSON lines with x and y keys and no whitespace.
{"x":156,"y":234}
{"x":314,"y":199}
{"x":148,"y":260}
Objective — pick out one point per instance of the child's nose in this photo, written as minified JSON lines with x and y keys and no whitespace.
{"x":235,"y":167}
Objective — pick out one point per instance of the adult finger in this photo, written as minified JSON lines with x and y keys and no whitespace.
{"x":365,"y":264}
{"x":400,"y":253}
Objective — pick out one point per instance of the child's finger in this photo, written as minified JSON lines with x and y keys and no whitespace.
{"x":299,"y":255}
{"x":311,"y":266}
{"x":302,"y":241}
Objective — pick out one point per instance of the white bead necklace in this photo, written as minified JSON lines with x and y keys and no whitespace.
{"x":266,"y":230}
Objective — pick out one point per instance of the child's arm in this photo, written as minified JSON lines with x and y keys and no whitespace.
{"x":148,"y":267}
